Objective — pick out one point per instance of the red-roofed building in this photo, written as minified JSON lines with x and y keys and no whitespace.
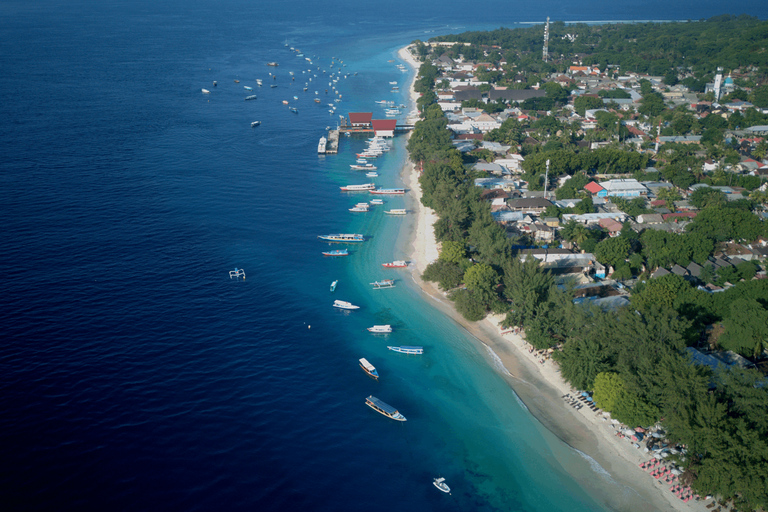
{"x":594,"y":188}
{"x":360,"y":119}
{"x":678,"y":216}
{"x":384,"y":127}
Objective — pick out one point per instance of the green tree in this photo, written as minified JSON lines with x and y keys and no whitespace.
{"x":746,"y":328}
{"x":481,"y":280}
{"x":453,"y":252}
{"x":612,"y":251}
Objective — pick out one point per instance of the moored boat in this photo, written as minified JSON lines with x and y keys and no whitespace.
{"x":380,"y":329}
{"x":342,"y":237}
{"x":383,"y":408}
{"x":205,"y":91}
{"x":333,"y":285}
{"x":358,"y":188}
{"x":337,"y":252}
{"x":254,"y":124}
{"x":372,"y":174}
{"x":364,"y":167}
{"x":294,"y":110}
{"x":395,"y":264}
{"x":342,"y":304}
{"x":384,"y":283}
{"x":251,"y":97}
{"x":377,"y":201}
{"x":274,"y":64}
{"x":359,"y":209}
{"x":247,"y":88}
{"x":440,"y":484}
{"x":407,"y":350}
{"x":321,"y":146}
{"x":369,"y":368}
{"x":396,"y":211}
{"x":388,"y":191}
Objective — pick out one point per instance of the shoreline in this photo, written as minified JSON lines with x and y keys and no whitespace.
{"x":539,"y":385}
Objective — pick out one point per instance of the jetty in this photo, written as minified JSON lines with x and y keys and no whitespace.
{"x":332,"y":147}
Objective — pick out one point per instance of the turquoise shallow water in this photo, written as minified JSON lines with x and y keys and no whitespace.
{"x":135,"y":373}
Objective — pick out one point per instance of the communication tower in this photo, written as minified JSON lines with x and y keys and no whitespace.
{"x":718,"y":83}
{"x":545,"y":51}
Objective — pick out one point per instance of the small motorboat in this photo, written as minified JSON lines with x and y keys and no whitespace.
{"x":440,"y":484}
{"x":255,"y":124}
{"x":333,"y":285}
{"x":380,"y":329}
{"x":206,"y":91}
{"x":337,"y":252}
{"x":342,"y":304}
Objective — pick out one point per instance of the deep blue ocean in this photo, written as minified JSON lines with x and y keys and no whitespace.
{"x":134,"y":373}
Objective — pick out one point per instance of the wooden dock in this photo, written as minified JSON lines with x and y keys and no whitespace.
{"x":332,"y":147}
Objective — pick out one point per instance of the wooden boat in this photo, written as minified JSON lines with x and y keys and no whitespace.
{"x":383,"y":408}
{"x":388,"y":191}
{"x":369,"y":368}
{"x":384,"y":283}
{"x":342,"y":237}
{"x":407,"y":350}
{"x":396,"y":211}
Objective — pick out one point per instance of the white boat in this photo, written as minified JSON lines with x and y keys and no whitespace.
{"x":369,"y":368}
{"x":342,"y":237}
{"x":440,"y":484}
{"x":206,"y":91}
{"x":342,"y":304}
{"x":392,"y":83}
{"x":251,"y":97}
{"x":358,"y":188}
{"x":258,"y":82}
{"x":380,"y":329}
{"x":322,"y":145}
{"x":396,"y":211}
{"x":388,"y":191}
{"x":372,"y":174}
{"x":255,"y":124}
{"x":333,"y":285}
{"x":383,"y":408}
{"x":407,"y":350}
{"x":384,"y":283}
{"x":395,"y":264}
{"x":365,"y":167}
{"x":247,"y":88}
{"x":362,"y":209}
{"x":377,"y":201}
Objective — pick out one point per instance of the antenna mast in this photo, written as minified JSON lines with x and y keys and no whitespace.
{"x":545,"y":51}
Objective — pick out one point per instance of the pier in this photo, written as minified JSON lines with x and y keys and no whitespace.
{"x":332,"y":147}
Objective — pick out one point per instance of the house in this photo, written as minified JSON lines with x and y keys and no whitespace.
{"x":613,"y":227}
{"x":680,"y":139}
{"x":593,"y":218}
{"x":679,"y":216}
{"x":624,"y":188}
{"x":517,"y":95}
{"x":529,"y":205}
{"x":492,"y":168}
{"x":384,"y":127}
{"x":650,"y":218}
{"x":513,"y":163}
{"x":360,"y":119}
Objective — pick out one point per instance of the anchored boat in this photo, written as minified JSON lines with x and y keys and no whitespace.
{"x":337,"y":252}
{"x":407,"y":350}
{"x":395,"y":264}
{"x":342,"y":237}
{"x":380,"y":329}
{"x":342,"y":304}
{"x":383,"y":408}
{"x":440,"y":484}
{"x":369,"y":368}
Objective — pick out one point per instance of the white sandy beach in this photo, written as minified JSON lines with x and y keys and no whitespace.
{"x":540,"y":385}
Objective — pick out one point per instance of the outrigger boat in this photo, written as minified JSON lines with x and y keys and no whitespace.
{"x":237,"y":274}
{"x":388,"y":191}
{"x":397,"y":211}
{"x":342,"y":237}
{"x":383,"y":408}
{"x":369,"y":368}
{"x":407,"y":350}
{"x":384,"y":283}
